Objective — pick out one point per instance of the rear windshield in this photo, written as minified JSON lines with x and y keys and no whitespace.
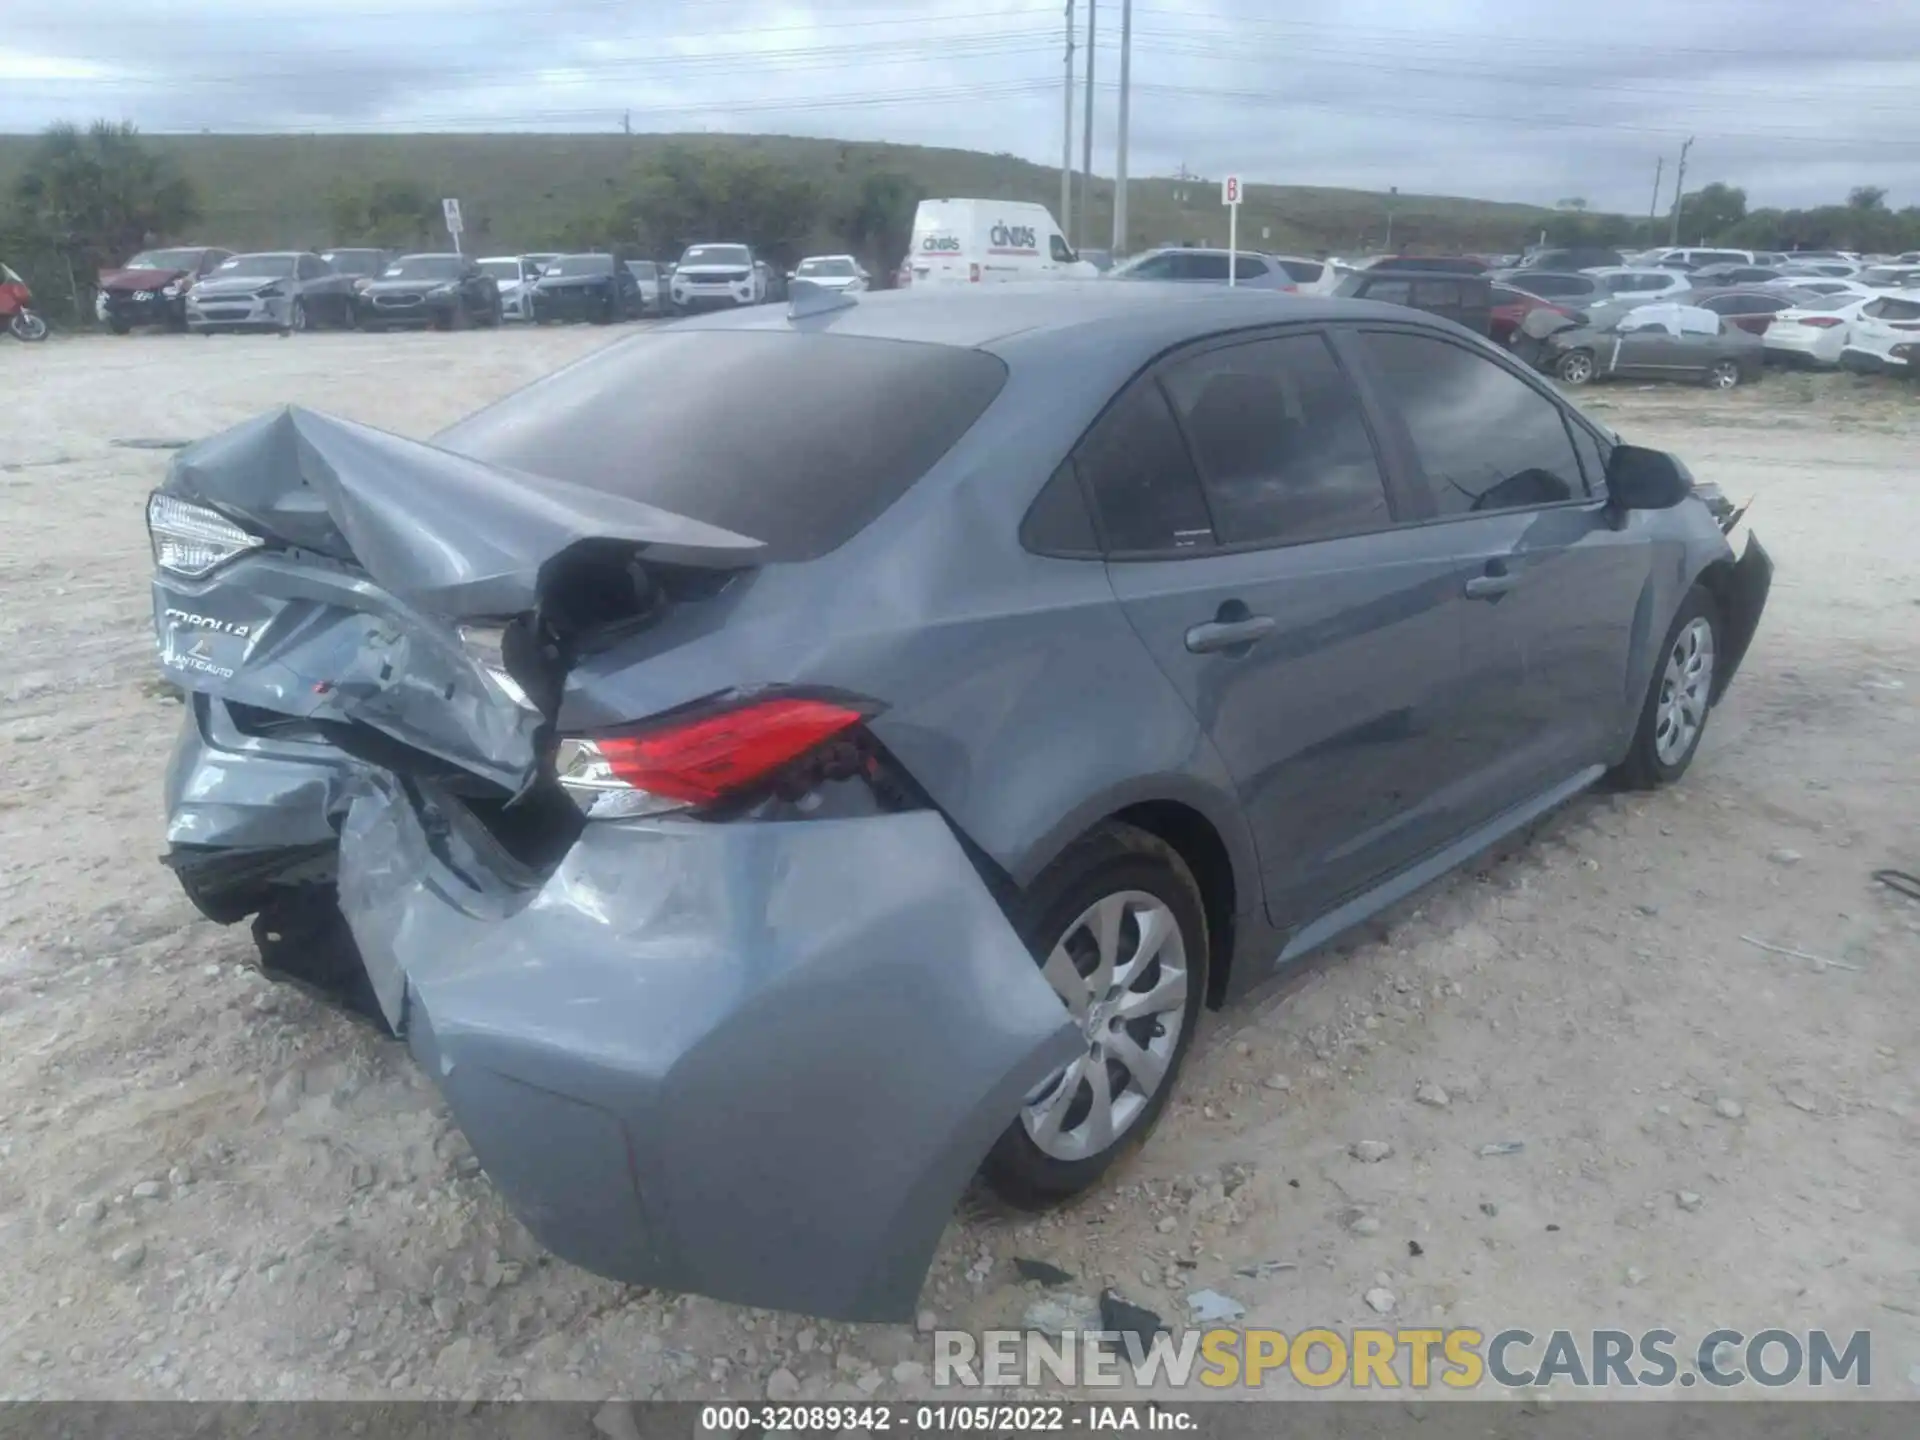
{"x":165,"y":260}
{"x":246,"y":267}
{"x":355,"y":262}
{"x":842,"y":427}
{"x":424,"y":267}
{"x":582,"y":265}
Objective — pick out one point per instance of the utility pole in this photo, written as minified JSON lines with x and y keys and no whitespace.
{"x":1393,"y":192}
{"x":1086,"y":138}
{"x":626,"y":123}
{"x":1653,"y":205}
{"x":1066,"y":143}
{"x":1679,"y":189}
{"x":1120,"y":162}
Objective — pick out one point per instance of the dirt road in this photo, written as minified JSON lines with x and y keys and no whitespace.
{"x":211,"y":1187}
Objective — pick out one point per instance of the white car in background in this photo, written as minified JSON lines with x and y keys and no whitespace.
{"x":1884,"y":338}
{"x":840,"y":273}
{"x":1824,"y":286}
{"x":515,"y":275}
{"x":1639,"y":283}
{"x":1310,"y":277}
{"x":1815,"y":330}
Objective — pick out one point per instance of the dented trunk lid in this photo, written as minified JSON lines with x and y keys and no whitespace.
{"x":417,"y":606}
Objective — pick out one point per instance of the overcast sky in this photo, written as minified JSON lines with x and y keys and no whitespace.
{"x":1795,"y":100}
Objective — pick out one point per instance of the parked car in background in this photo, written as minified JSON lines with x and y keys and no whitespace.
{"x":151,"y":288}
{"x":1655,"y":342}
{"x":1440,"y":264}
{"x":1464,"y":299}
{"x":1828,"y":269}
{"x":1510,"y":308}
{"x":832,"y":272}
{"x":593,"y":287}
{"x":1569,"y":286}
{"x":975,"y":242}
{"x":773,"y":282}
{"x":1195,"y":266}
{"x":1716,"y":277}
{"x":1627,"y":283}
{"x":1814,"y":330}
{"x":1694,"y":257}
{"x":1798,"y":285}
{"x":284,"y":290}
{"x":1310,"y":277}
{"x":717,"y":275}
{"x":1748,"y":309}
{"x":515,"y":276}
{"x":1890,"y":277}
{"x":1577,"y":257}
{"x":650,"y":283}
{"x":361,"y":266}
{"x":748,"y":858}
{"x":1884,"y":337}
{"x":448,"y":292}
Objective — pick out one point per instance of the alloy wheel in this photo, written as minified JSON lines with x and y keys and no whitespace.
{"x":1724,"y":376}
{"x":1686,"y":687}
{"x":1121,"y":970}
{"x":1576,"y":369}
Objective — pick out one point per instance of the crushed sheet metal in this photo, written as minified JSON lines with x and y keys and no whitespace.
{"x":441,"y":532}
{"x":667,"y":1054}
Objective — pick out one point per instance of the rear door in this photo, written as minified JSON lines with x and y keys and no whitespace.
{"x":1550,"y":586}
{"x":1245,"y":508}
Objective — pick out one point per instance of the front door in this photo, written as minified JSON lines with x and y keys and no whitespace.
{"x":1254,"y":550}
{"x":1550,"y":582}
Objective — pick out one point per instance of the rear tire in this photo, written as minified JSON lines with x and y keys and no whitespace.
{"x":1137,"y":1010}
{"x":1679,"y":697}
{"x":1575,"y":369}
{"x":119,"y":326}
{"x":1724,"y":376}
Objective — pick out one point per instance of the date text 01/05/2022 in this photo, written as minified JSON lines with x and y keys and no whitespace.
{"x":917,"y":1419}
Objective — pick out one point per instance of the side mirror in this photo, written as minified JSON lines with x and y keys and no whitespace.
{"x":1642,"y":479}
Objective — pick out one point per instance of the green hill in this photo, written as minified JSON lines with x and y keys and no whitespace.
{"x":518,"y":191}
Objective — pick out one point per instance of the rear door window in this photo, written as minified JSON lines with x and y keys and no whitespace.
{"x":1391,"y":292}
{"x":1194,"y":266}
{"x":842,"y":427}
{"x":1303,"y":272}
{"x":1486,"y":439}
{"x":1136,"y":468}
{"x":1249,"y":267}
{"x":1280,"y":440}
{"x":1437,"y":294}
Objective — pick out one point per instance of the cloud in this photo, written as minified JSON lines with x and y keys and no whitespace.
{"x":1441,"y":96}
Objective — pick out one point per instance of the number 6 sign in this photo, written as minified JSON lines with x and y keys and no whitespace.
{"x":1230,"y":190}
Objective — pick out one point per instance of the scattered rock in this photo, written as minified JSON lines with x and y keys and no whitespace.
{"x":1265,"y":1269}
{"x":1728,"y":1108}
{"x":1361,"y":1223}
{"x":1381,"y":1300}
{"x":1123,"y":1317}
{"x":1055,"y":1315}
{"x":926,"y":1322}
{"x":1166,"y":1226}
{"x":89,"y":1212}
{"x":1489,"y":1209}
{"x":1784,"y":856}
{"x":1277,"y":1082}
{"x":179,"y":1175}
{"x":1689,"y":1200}
{"x":1645,"y":909}
{"x":1802,"y":1101}
{"x":129,"y":1257}
{"x":870,"y":1382}
{"x":446,"y":1310}
{"x":615,"y":1421}
{"x":1502,"y":1147}
{"x":1041,"y":1272}
{"x":1209,"y":1305}
{"x":1370,"y":1152}
{"x":1416,"y":1249}
{"x":1635,"y":1275}
{"x":1234,"y":1176}
{"x":1428,"y":1093}
{"x":783,"y":1384}
{"x":909,"y":1372}
{"x":148,"y":1190}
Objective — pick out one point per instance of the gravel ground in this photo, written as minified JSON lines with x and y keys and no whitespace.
{"x":211,"y":1187}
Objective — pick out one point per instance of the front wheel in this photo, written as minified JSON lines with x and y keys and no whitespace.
{"x":1674,"y":716}
{"x":1724,"y":376}
{"x":296,"y":319}
{"x":28,"y":326}
{"x":1119,"y":931}
{"x":1575,"y":369}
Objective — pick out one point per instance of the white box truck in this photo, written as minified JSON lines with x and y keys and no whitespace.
{"x":984,"y":242}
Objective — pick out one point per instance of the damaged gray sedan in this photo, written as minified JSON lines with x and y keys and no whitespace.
{"x":758,"y":825}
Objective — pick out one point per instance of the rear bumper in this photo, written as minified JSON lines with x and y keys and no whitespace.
{"x":1866,"y":362}
{"x":1799,"y":345}
{"x":758,"y":1062}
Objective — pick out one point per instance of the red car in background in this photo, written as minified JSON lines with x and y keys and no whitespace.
{"x":1511,"y":307}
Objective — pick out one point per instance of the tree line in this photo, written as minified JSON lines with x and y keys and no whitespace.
{"x":1717,"y":214}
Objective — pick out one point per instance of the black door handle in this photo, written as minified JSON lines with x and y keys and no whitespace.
{"x":1489,"y":587}
{"x":1227,"y":634}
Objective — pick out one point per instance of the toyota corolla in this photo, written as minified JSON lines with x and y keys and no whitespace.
{"x":759,"y":824}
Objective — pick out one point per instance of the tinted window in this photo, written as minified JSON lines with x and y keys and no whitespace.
{"x":1138,"y":472}
{"x":1192,"y":266}
{"x":1437,"y":294}
{"x":582,"y":265}
{"x":1391,"y":292}
{"x":1593,"y":456}
{"x":425,"y":267}
{"x":843,"y":427}
{"x":1058,"y":248}
{"x":311,"y":267}
{"x":1149,"y":267}
{"x":1539,"y":283}
{"x":1278,"y":435}
{"x":1505,"y":295}
{"x":1486,"y":439}
{"x":1058,"y":522}
{"x":1249,"y":267}
{"x":1303,"y":272}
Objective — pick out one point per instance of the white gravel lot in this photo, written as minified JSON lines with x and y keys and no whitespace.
{"x":211,"y":1187}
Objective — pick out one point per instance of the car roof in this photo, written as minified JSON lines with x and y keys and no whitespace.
{"x":1001,"y":318}
{"x":1625,"y":270}
{"x":271,"y":254}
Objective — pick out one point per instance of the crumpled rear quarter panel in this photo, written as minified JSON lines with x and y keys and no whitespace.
{"x":758,"y":1062}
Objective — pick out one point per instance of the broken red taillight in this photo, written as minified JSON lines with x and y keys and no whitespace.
{"x":698,"y":761}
